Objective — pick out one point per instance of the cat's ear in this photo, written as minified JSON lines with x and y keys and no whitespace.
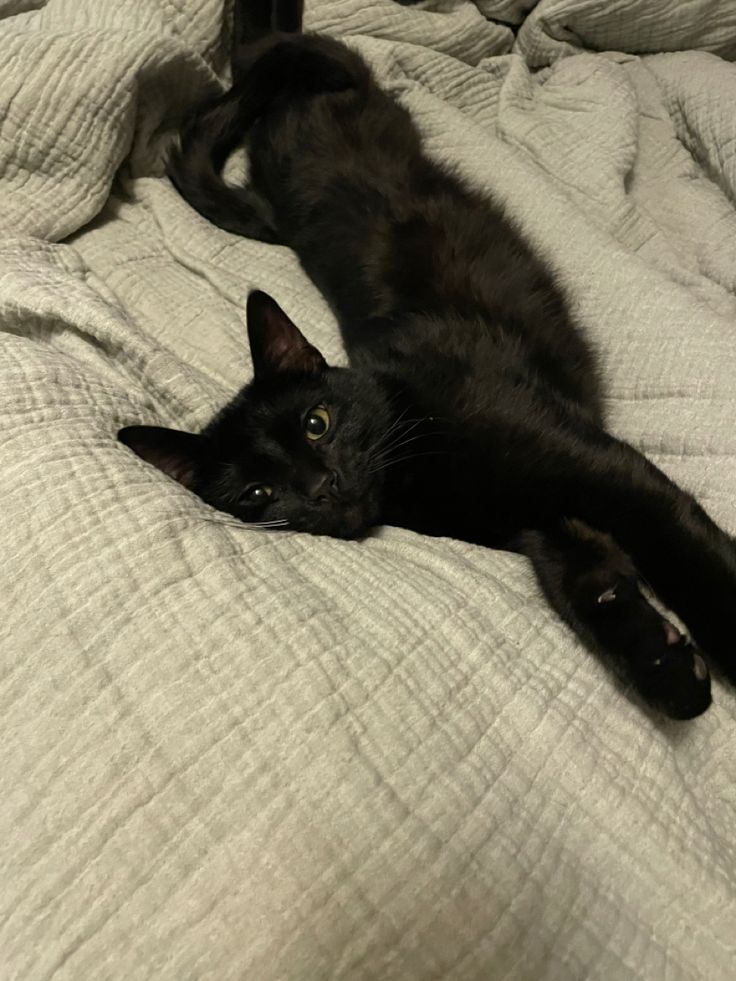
{"x":174,"y":452}
{"x":277,"y":344}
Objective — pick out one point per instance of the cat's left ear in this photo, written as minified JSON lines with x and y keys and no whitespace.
{"x":277,"y":344}
{"x":176,"y":453}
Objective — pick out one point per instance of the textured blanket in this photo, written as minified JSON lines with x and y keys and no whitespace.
{"x":235,"y":755}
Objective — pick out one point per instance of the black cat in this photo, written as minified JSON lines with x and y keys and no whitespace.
{"x":471,"y":407}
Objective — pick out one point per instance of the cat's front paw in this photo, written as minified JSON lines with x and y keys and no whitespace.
{"x":665,"y":667}
{"x":673,"y":676}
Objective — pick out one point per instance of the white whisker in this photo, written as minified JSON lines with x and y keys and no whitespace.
{"x":384,"y":436}
{"x":385,"y":456}
{"x":404,"y":442}
{"x":403,"y":459}
{"x":398,"y":439}
{"x":249,"y":525}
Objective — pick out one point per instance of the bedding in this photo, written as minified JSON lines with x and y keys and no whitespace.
{"x":233,"y":754}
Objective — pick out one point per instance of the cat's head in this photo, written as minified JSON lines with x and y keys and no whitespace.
{"x":297,"y":446}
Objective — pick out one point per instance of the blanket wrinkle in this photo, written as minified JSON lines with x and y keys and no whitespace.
{"x":231,"y":753}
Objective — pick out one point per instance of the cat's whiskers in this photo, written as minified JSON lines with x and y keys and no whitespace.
{"x":398,"y":440}
{"x":404,"y":459}
{"x":385,"y":456}
{"x":381,"y":441}
{"x":411,"y":425}
{"x":397,"y":422}
{"x":275,"y":524}
{"x":402,"y":442}
{"x":225,"y":522}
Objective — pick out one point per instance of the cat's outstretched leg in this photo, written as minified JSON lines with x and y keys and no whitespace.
{"x":595,"y":588}
{"x":689,"y":561}
{"x":583,"y":472}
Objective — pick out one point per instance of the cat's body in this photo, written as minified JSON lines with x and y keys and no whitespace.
{"x":472,"y":407}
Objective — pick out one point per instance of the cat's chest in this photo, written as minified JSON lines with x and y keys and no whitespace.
{"x":451,"y":487}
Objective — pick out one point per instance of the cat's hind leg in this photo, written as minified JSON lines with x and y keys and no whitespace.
{"x":252,"y":20}
{"x":256,"y":19}
{"x":595,"y":588}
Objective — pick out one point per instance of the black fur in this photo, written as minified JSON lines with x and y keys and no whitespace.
{"x":472,"y":406}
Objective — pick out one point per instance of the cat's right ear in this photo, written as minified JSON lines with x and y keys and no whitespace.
{"x":276,"y":343}
{"x":172,"y":451}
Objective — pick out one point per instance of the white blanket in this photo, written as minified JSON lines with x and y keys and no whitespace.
{"x":230,"y":755}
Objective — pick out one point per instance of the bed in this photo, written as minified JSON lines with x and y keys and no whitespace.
{"x":231,"y":754}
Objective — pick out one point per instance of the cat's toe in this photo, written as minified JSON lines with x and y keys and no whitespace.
{"x":700,"y":668}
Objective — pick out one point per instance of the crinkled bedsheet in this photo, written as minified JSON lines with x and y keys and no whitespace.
{"x":227,"y":754}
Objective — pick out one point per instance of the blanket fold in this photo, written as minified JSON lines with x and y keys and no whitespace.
{"x":231,"y":754}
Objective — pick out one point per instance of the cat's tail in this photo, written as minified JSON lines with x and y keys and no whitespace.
{"x":215,"y":128}
{"x":207,"y":138}
{"x":279,"y":67}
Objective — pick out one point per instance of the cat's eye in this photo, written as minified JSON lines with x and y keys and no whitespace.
{"x":316,"y":422}
{"x":256,"y":494}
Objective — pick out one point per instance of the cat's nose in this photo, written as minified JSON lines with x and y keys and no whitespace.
{"x":321,"y":485}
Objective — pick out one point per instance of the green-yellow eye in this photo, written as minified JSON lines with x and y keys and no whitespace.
{"x":256,"y":494}
{"x":317,"y":422}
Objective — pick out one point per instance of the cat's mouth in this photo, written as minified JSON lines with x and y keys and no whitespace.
{"x":344,"y":519}
{"x":354,"y":520}
{"x":348,"y":521}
